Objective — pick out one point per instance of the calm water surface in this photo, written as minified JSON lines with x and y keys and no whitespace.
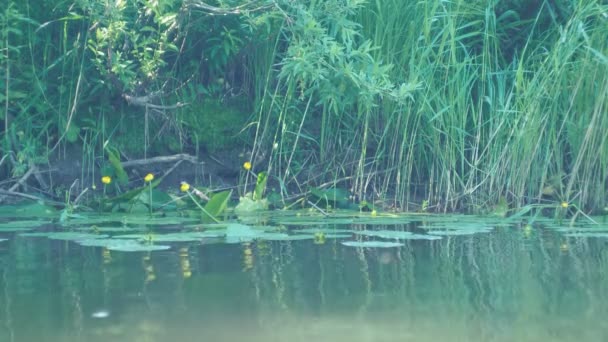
{"x":505,"y":285}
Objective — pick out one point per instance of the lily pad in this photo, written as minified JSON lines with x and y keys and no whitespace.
{"x":456,"y":232}
{"x":382,"y":220}
{"x":68,"y":236}
{"x":105,"y":242}
{"x":322,"y":230}
{"x":122,"y":245}
{"x":16,"y":226}
{"x":156,"y":221}
{"x":337,"y":236}
{"x":587,"y":235}
{"x":308,"y":221}
{"x":422,"y":237}
{"x":237,"y":233}
{"x":138,"y":248}
{"x":385,"y":234}
{"x":184,"y":237}
{"x":285,"y":237}
{"x":372,"y":244}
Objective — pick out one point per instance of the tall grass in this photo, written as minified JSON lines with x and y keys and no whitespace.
{"x":500,"y":105}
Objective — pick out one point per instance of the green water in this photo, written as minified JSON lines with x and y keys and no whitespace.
{"x":504,"y":283}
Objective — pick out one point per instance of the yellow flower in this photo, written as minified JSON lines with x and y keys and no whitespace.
{"x":184,"y":187}
{"x":564,"y":204}
{"x":247,"y":165}
{"x":106,"y":179}
{"x":149,"y":177}
{"x":374,"y":213}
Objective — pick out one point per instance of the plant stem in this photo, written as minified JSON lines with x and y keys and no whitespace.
{"x":202,"y":209}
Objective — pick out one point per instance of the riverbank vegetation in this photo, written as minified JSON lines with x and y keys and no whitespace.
{"x":461,"y":105}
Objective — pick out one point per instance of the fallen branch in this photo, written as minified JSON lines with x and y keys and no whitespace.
{"x":28,"y":196}
{"x":161,"y":159}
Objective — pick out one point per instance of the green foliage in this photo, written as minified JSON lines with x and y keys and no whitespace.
{"x":336,"y":197}
{"x":131,"y":38}
{"x":114,"y":160}
{"x":216,"y":205}
{"x":461,"y":104}
{"x":214,"y":125}
{"x":260,"y":186}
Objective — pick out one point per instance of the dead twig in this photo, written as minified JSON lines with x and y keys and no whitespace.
{"x":162,"y":159}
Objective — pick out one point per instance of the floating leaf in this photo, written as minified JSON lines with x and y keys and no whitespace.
{"x":272,"y":236}
{"x":456,"y":232}
{"x":156,"y":221}
{"x":372,"y":244}
{"x":108,"y":229}
{"x":312,"y":221}
{"x":322,"y":230}
{"x":185,"y":237}
{"x":105,"y":242}
{"x":385,"y":234}
{"x":68,"y":236}
{"x":587,"y":235}
{"x":138,"y":248}
{"x":237,"y":233}
{"x":15,"y":226}
{"x":337,"y":236}
{"x":382,"y":220}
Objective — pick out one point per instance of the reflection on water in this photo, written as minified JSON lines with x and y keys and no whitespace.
{"x":507,"y":285}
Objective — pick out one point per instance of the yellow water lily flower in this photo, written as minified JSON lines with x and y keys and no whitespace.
{"x":247,"y":165}
{"x":564,"y":204}
{"x":106,"y":179}
{"x":184,"y":187}
{"x":149,"y":177}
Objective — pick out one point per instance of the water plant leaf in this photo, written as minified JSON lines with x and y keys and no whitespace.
{"x":156,"y":220}
{"x":312,"y":220}
{"x":385,"y":234}
{"x":115,"y":229}
{"x":337,"y":236}
{"x":137,"y":248}
{"x":339,"y":197}
{"x":260,"y":186}
{"x":114,"y":160}
{"x":587,"y":235}
{"x":16,"y":226}
{"x":322,"y":230}
{"x":237,"y":233}
{"x":285,"y":237}
{"x":159,"y":198}
{"x":372,"y":244}
{"x":185,"y":237}
{"x":69,"y":236}
{"x":456,"y":232}
{"x":247,"y":205}
{"x":216,"y":205}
